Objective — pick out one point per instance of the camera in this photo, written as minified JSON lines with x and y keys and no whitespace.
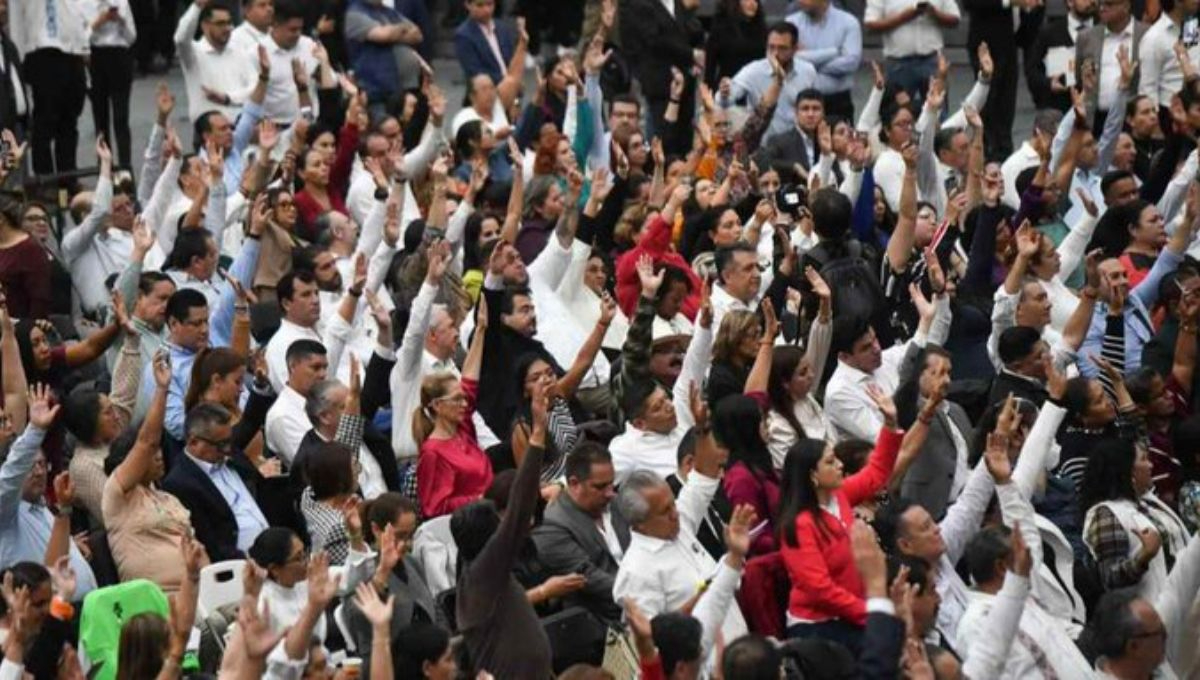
{"x":791,"y":198}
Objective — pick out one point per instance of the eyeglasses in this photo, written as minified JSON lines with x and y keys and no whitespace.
{"x":1161,"y":632}
{"x":455,"y":399}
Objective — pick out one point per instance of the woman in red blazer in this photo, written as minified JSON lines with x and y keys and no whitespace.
{"x":827,"y":599}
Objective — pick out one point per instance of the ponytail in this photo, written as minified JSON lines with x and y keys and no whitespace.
{"x":433,"y":387}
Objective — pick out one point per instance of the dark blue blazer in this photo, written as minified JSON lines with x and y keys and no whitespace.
{"x":476,"y":56}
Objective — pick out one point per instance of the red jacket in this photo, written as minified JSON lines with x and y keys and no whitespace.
{"x":453,"y":472}
{"x":307,"y":208}
{"x":825,"y":582}
{"x":655,"y":242}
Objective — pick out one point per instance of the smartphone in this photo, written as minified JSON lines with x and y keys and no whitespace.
{"x":1190,"y":34}
{"x":758,"y":529}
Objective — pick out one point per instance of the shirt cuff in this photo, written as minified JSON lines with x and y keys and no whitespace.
{"x":881,"y":605}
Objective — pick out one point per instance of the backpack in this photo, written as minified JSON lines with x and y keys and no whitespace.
{"x":856,"y":290}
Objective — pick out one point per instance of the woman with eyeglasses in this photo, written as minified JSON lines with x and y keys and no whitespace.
{"x":452,"y":469}
{"x":1093,"y":417}
{"x":145,"y":524}
{"x":281,"y":553}
{"x":733,"y":354}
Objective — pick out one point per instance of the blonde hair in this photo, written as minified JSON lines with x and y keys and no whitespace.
{"x":433,"y":387}
{"x":734,"y":327}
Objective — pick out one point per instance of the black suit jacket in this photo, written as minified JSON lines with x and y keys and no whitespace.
{"x":711,"y":533}
{"x":654,"y":41}
{"x":414,"y":602}
{"x":1020,"y":387}
{"x":378,"y":445}
{"x":212,"y":518}
{"x":568,"y":542}
{"x":992,"y":22}
{"x":1053,"y":34}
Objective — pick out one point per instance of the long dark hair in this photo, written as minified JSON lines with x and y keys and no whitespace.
{"x":783,"y":366}
{"x":1109,"y":473}
{"x":140,"y":650}
{"x":736,"y":425}
{"x":798,"y":493}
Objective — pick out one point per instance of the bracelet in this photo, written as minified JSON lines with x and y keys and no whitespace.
{"x":62,"y":510}
{"x":355,"y":293}
{"x":262,"y":78}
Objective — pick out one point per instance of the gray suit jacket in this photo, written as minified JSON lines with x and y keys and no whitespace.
{"x":412,"y":596}
{"x":569,"y":542}
{"x":929,"y":479}
{"x":1088,"y":45}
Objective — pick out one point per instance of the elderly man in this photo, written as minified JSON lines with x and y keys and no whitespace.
{"x":665,"y":562}
{"x":582,"y":533}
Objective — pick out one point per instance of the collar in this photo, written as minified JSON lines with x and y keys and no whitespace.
{"x":648,"y":543}
{"x":1032,"y":381}
{"x":291,"y":396}
{"x":209,"y":48}
{"x":1126,"y":32}
{"x":853,"y":374}
{"x":436,"y":363}
{"x":724,"y":297}
{"x":208,"y":468}
{"x":179,"y":349}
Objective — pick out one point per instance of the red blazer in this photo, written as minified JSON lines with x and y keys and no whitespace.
{"x":453,"y":472}
{"x":307,"y":208}
{"x":655,"y":241}
{"x":825,"y":582}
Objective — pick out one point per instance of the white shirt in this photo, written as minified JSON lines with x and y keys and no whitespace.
{"x":921,"y":36}
{"x":246,"y":38}
{"x":277,"y":347}
{"x":121,"y":33}
{"x":226,"y":70}
{"x":286,"y":605}
{"x":723,"y":303}
{"x":1160,"y":76}
{"x":781,"y":436}
{"x":610,"y":535}
{"x":497,"y":120}
{"x":583,"y":301}
{"x":30,"y":28}
{"x":1110,"y":70}
{"x":93,"y":254}
{"x":249,"y":517}
{"x":21,"y":100}
{"x":661,"y":575}
{"x":286,"y":424}
{"x":282,"y":103}
{"x":636,"y":449}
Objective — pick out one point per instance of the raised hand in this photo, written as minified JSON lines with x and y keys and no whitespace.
{"x":868,"y":557}
{"x":933,"y":268}
{"x":539,"y":405}
{"x":925,"y":308}
{"x":649,"y":280}
{"x":770,"y":321}
{"x":596,"y":56}
{"x":986,"y":66}
{"x":1127,"y":65}
{"x":378,"y":612}
{"x":162,"y":369}
{"x":972,"y":116}
{"x":257,"y":636}
{"x":120,"y":313}
{"x":164,"y":102}
{"x":62,"y":575}
{"x":698,"y":406}
{"x":996,"y":457}
{"x":300,"y":75}
{"x":391,"y":551}
{"x":819,"y":286}
{"x":253,"y":577}
{"x":909,"y":154}
{"x":41,"y":413}
{"x":608,"y":309}
{"x":883,"y":401}
{"x":439,"y":257}
{"x":195,"y":557}
{"x":1151,"y":544}
{"x":322,"y":587}
{"x":103,"y":152}
{"x":737,"y":530}
{"x":705,"y":317}
{"x":877,"y":75}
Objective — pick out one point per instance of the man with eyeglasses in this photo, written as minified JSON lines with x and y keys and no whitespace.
{"x":218,"y":77}
{"x":1098,"y":45}
{"x":187,"y":334}
{"x":217,"y":487}
{"x":582,"y":534}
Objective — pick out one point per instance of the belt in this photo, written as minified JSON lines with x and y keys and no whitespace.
{"x":914,"y":57}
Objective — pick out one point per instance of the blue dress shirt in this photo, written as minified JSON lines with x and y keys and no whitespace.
{"x":832,"y":45}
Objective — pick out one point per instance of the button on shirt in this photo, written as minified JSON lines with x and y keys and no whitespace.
{"x":833,"y":45}
{"x":250,"y":519}
{"x":920,"y":37}
{"x":48,"y":24}
{"x":182,"y":359}
{"x":1110,"y":70}
{"x":226,"y":70}
{"x":752,"y":82}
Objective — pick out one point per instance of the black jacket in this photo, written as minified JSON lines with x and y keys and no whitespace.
{"x":8,"y":101}
{"x":216,"y":527}
{"x":1053,"y":34}
{"x":654,"y":41}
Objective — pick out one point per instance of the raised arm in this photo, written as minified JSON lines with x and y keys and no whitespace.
{"x":76,"y":241}
{"x":901,"y":244}
{"x":130,"y":473}
{"x":474,"y":360}
{"x":12,"y":372}
{"x":760,"y":371}
{"x":569,"y":383}
{"x":153,"y":158}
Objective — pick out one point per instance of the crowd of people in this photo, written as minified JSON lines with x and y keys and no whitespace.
{"x":679,"y":363}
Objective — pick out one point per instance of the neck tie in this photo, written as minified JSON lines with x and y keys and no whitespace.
{"x":52,"y":18}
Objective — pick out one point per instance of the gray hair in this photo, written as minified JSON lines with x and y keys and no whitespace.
{"x":630,"y":500}
{"x":204,"y":418}
{"x":318,"y":400}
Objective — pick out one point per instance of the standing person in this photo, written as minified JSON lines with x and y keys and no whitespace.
{"x":1007,"y":29}
{"x":111,"y":71}
{"x":738,"y":42}
{"x":659,"y":35}
{"x":256,"y":22}
{"x":382,"y":46}
{"x":831,"y":40}
{"x":912,"y":38}
{"x":14,"y":101}
{"x":52,"y":39}
{"x":1050,"y":91}
{"x":482,"y":44}
{"x":218,"y":77}
{"x":1098,"y":45}
{"x":782,"y":66}
{"x":1161,"y":75}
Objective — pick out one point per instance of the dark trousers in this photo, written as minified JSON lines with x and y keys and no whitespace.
{"x":155,"y":21}
{"x":560,"y":20}
{"x":912,"y":74}
{"x":1000,"y":109}
{"x":845,"y":634}
{"x":58,"y":83}
{"x":112,"y":79}
{"x":840,"y":105}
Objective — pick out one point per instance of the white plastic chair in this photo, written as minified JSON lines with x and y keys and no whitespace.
{"x":339,"y":617}
{"x":220,"y":584}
